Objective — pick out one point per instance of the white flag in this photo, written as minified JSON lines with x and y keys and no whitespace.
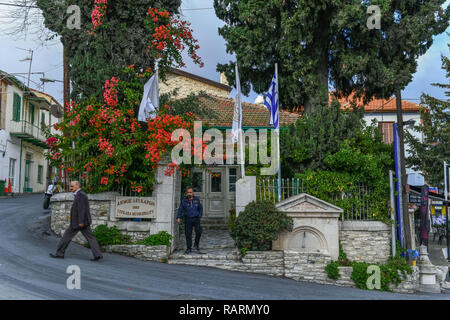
{"x":237,"y":114}
{"x":150,"y":99}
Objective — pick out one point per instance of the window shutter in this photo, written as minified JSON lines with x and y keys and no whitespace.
{"x":16,"y":107}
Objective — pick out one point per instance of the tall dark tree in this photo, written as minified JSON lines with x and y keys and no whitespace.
{"x":96,"y":58}
{"x":430,"y":154}
{"x":322,"y":43}
{"x":316,"y":135}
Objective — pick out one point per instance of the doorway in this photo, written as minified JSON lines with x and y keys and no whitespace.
{"x":216,"y":189}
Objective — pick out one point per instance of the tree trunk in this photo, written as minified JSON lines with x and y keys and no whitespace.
{"x":404,"y":199}
{"x":320,"y":49}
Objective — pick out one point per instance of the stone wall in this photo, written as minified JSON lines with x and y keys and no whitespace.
{"x":410,"y":284}
{"x":102,"y":208}
{"x":186,"y":86}
{"x":366,"y":241}
{"x":99,"y":205}
{"x":142,"y":252}
{"x":266,"y":262}
{"x":306,"y":266}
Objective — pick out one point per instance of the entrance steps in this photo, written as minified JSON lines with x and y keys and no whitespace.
{"x":217,"y":248}
{"x":214,"y":223}
{"x":218,"y":258}
{"x":210,"y":239}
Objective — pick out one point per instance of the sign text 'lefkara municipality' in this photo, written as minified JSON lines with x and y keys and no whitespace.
{"x":135,"y":207}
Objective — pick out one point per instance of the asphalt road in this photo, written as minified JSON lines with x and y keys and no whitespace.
{"x":27,"y":271}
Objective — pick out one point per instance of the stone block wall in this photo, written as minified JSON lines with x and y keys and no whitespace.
{"x":366,"y":241}
{"x":306,"y":266}
{"x":187,"y":86}
{"x":102,"y":208}
{"x":266,"y":262}
{"x":60,"y":204}
{"x":408,"y":285}
{"x":142,"y":252}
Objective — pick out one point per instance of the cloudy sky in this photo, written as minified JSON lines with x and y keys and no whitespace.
{"x":47,"y":56}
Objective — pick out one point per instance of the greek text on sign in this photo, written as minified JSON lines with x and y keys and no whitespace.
{"x":135,"y":207}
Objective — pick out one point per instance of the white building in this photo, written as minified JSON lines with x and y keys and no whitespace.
{"x":24,"y":113}
{"x":385,"y":113}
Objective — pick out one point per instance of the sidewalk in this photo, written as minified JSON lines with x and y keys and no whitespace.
{"x":435,"y":252}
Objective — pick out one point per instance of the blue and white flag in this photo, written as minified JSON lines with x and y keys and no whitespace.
{"x":271,"y":102}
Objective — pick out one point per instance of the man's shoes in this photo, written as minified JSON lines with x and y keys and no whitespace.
{"x":56,"y":256}
{"x":96,"y":258}
{"x":197,"y":249}
{"x":187,"y":251}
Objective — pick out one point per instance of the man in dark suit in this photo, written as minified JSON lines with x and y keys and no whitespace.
{"x":80,"y":220}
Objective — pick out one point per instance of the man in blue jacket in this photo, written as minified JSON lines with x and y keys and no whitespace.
{"x":193,"y":212}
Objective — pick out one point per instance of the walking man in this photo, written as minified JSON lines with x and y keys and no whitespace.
{"x":80,"y":220}
{"x":193,"y":212}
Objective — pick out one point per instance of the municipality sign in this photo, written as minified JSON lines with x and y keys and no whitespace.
{"x":135,"y":207}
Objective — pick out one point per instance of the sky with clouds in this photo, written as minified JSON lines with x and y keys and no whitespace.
{"x":47,"y":57}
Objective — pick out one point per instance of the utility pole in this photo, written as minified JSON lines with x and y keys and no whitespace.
{"x":66,"y":80}
{"x":404,"y":200}
{"x":29,"y":69}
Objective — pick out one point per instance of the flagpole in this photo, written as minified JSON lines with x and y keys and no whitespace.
{"x":240,"y":137}
{"x":157,"y":80}
{"x":278,"y":134}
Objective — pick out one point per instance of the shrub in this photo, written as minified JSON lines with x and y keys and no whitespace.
{"x":161,"y":238}
{"x":109,"y":236}
{"x":258,"y":225}
{"x":332,"y":270}
{"x":392,"y":272}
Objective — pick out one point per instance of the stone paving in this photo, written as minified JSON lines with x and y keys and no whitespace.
{"x":210,"y":239}
{"x":216,"y":247}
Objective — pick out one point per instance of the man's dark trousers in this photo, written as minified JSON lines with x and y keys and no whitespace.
{"x":79,"y":214}
{"x":71,"y":232}
{"x":188,"y":225}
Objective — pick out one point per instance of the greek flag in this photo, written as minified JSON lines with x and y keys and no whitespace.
{"x":271,"y":102}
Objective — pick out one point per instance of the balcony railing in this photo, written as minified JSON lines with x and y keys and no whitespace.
{"x":29,"y":132}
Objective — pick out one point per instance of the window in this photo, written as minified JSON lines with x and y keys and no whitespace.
{"x":31,"y":113}
{"x":232,"y":180}
{"x":16,"y":107}
{"x":387,"y":131}
{"x":12,"y":170}
{"x":216,"y":182}
{"x":197,"y":181}
{"x":40,"y":171}
{"x":42,"y":119}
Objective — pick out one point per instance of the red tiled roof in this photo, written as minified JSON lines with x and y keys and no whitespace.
{"x":378,"y":105}
{"x":253,"y":115}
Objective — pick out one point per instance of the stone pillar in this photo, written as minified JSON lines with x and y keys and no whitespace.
{"x":245,"y":192}
{"x":427,"y":275}
{"x":166,"y":194}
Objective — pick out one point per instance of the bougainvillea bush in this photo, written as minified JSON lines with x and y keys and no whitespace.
{"x":103,"y":144}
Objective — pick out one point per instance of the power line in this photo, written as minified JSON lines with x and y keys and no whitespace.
{"x":18,"y":5}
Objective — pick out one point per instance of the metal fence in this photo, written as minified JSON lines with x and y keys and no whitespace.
{"x":358,"y":203}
